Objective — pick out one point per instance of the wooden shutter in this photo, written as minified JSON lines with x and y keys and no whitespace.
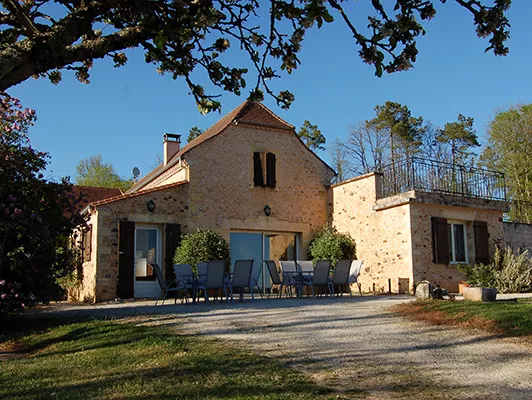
{"x":481,"y":242}
{"x":270,"y":168}
{"x":87,"y":244}
{"x":172,"y":240}
{"x":440,"y":241}
{"x":126,"y":259}
{"x":258,"y":179}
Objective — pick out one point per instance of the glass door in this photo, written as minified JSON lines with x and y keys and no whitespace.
{"x":261,"y":246}
{"x":147,"y":251}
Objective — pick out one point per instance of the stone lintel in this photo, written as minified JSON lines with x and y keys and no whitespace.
{"x":415,"y":196}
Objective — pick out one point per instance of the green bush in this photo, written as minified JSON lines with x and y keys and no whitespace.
{"x":329,"y":244}
{"x":482,"y":275}
{"x":201,"y":246}
{"x":509,"y":272}
{"x":514,"y":271}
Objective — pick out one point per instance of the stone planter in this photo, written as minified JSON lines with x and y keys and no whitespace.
{"x":479,"y":294}
{"x":461,"y":287}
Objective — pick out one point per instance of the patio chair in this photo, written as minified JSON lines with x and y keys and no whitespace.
{"x":165,"y":286}
{"x":214,"y":279}
{"x":321,"y":277}
{"x":290,"y":273}
{"x":356,"y":267}
{"x":184,"y":279}
{"x":241,"y":277}
{"x":254,"y":280}
{"x":341,"y":276}
{"x":306,"y":270}
{"x":202,"y":270}
{"x":274,"y":275}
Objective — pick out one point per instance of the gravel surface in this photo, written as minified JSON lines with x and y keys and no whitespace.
{"x":352,"y":344}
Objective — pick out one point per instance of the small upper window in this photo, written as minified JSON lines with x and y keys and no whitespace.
{"x":264,"y":169}
{"x":458,"y":242}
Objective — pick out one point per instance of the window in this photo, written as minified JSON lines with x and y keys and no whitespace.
{"x":264,"y":169}
{"x":449,"y":241}
{"x":458,"y":242}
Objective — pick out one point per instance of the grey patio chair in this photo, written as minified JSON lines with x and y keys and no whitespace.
{"x":356,"y":267}
{"x":202,"y":270}
{"x":254,"y":280}
{"x":241,"y":277}
{"x":214,"y":279}
{"x":320,"y":277}
{"x":165,"y":286}
{"x":290,"y":273}
{"x":306,"y":269}
{"x":274,"y":275}
{"x":184,"y":279}
{"x":341,"y":276}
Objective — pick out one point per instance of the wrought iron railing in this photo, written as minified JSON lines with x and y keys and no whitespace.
{"x":440,"y":177}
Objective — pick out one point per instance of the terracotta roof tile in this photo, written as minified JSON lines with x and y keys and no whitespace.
{"x":90,"y":194}
{"x":139,"y":193}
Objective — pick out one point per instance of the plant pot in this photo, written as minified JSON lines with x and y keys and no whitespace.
{"x":479,"y":294}
{"x":461,"y":287}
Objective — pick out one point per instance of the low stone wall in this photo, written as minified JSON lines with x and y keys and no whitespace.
{"x":518,"y":236}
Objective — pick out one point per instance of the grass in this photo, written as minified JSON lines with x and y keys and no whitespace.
{"x":108,"y":360}
{"x":501,"y":317}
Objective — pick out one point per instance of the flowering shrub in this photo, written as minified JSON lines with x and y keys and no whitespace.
{"x":35,"y":215}
{"x":510,"y":272}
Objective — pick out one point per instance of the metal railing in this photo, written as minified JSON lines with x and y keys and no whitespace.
{"x":440,"y":177}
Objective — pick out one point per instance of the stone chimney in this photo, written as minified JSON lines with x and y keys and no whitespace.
{"x":171,"y":144}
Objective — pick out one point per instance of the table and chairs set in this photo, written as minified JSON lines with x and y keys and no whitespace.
{"x":294,"y":277}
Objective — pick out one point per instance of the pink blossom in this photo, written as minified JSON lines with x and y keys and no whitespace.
{"x":3,"y":296}
{"x":2,"y":282}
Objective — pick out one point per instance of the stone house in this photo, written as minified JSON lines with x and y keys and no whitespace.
{"x":251,"y":178}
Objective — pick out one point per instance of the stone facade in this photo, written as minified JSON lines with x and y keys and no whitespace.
{"x":394,"y":234}
{"x":210,"y":184}
{"x":219,"y":193}
{"x":382,"y":237}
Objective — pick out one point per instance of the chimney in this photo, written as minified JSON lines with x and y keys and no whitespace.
{"x":171,"y":144}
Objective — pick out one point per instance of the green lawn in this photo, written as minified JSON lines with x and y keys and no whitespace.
{"x":504,"y":317}
{"x":111,"y":360}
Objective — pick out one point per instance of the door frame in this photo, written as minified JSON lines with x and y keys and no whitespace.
{"x":158,"y":254}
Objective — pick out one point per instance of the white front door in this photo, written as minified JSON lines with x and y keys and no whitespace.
{"x":147,"y":251}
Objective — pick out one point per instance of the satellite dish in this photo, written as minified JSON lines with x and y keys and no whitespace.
{"x":136,"y":172}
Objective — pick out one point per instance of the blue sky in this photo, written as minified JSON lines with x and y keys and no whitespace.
{"x":124,"y":112}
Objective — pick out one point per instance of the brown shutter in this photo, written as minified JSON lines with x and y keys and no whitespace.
{"x":172,"y":240}
{"x":126,"y":259}
{"x":87,"y":244}
{"x":481,"y":242}
{"x":440,"y":241}
{"x":258,"y":180}
{"x":270,"y":168}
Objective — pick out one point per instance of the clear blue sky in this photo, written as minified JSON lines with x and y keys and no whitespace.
{"x":124,"y":112}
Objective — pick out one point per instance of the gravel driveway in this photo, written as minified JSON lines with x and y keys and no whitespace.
{"x":354,"y":345}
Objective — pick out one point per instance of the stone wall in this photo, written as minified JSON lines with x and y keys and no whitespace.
{"x":223,"y":195}
{"x":382,"y":237}
{"x":447,"y":275}
{"x":394,"y":234}
{"x":220,"y":194}
{"x":518,"y":236}
{"x":171,"y":206}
